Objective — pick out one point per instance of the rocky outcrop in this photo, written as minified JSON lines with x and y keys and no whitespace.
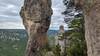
{"x":91,"y":10}
{"x":36,"y":15}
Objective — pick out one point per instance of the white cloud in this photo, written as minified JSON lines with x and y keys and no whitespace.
{"x":9,"y":14}
{"x":10,"y":18}
{"x":11,"y":25}
{"x":57,"y":17}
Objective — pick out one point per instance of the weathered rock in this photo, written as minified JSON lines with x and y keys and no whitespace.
{"x":91,"y":10}
{"x":36,"y":15}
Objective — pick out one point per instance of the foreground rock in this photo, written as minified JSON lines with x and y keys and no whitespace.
{"x":36,"y":15}
{"x":91,"y":10}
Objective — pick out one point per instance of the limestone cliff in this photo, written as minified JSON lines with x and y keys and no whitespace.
{"x":91,"y":10}
{"x":36,"y":15}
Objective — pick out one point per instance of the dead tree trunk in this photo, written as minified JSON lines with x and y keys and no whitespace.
{"x":91,"y":10}
{"x":36,"y":15}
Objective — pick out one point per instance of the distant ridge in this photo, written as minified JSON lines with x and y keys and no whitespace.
{"x":23,"y":31}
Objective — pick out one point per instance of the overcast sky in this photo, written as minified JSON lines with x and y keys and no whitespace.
{"x":10,"y":18}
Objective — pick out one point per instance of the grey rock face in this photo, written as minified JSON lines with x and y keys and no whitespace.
{"x":91,"y":10}
{"x":92,"y":30}
{"x":36,"y":15}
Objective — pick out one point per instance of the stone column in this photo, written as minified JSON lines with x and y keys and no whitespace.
{"x":36,"y":15}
